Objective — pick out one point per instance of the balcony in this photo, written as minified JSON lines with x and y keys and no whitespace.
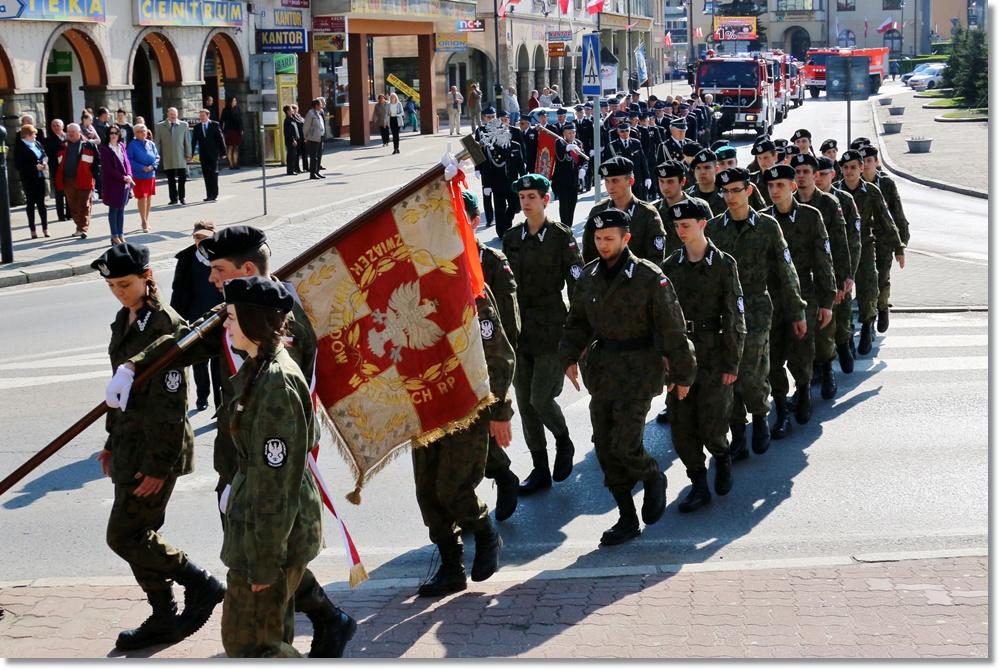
{"x":798,"y":16}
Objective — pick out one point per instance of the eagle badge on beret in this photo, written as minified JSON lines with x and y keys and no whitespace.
{"x":487,"y":329}
{"x":526,"y":182}
{"x":598,"y":222}
{"x":658,"y":242}
{"x":826,"y":245}
{"x":725,"y":178}
{"x":604,"y":171}
{"x":103,"y":269}
{"x":677,"y":212}
{"x":576,"y":271}
{"x":774,"y":172}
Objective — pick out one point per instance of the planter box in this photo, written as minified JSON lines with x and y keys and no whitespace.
{"x":896,"y":111}
{"x":919,"y":145}
{"x":892,"y":127}
{"x":885,"y":102}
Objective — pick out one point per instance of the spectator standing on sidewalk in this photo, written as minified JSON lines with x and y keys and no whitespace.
{"x":232,"y":125}
{"x":118,"y":182}
{"x":533,"y":101}
{"x":145,"y":159}
{"x":54,"y":143}
{"x":455,"y":100}
{"x":512,"y":106}
{"x":545,"y":99}
{"x":411,"y":115}
{"x":75,"y":176}
{"x":293,"y":142}
{"x":32,"y":167}
{"x":173,"y":143}
{"x":313,"y":130}
{"x":475,"y":105}
{"x":192,"y":295}
{"x":211,"y":147}
{"x":302,"y":153}
{"x":380,"y":119}
{"x":89,"y":132}
{"x":128,"y":130}
{"x":395,"y":120}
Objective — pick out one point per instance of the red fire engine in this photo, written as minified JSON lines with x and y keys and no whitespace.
{"x":743,"y":88}
{"x":815,"y":68}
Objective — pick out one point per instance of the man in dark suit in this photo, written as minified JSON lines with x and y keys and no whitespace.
{"x":208,"y":141}
{"x":293,"y":142}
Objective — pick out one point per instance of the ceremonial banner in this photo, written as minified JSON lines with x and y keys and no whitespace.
{"x":545,"y":159}
{"x":400,"y":356}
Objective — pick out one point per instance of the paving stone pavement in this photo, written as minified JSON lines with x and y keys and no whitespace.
{"x":928,"y":608}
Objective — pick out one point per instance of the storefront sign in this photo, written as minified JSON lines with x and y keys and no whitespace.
{"x":557,"y":49}
{"x":559,"y":36}
{"x":74,"y":11}
{"x":281,"y":40}
{"x":287,"y":18}
{"x":11,"y":9}
{"x":403,"y":87}
{"x":189,"y":13}
{"x":301,"y":4}
{"x":286,"y":64}
{"x":728,"y":28}
{"x":451,"y":42}
{"x":473,"y":26}
{"x":329,"y":24}
{"x":434,"y":9}
{"x":60,"y":61}
{"x":329,"y":42}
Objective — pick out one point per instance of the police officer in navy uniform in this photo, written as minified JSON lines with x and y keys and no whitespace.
{"x":502,"y":165}
{"x":571,"y":161}
{"x":627,"y":147}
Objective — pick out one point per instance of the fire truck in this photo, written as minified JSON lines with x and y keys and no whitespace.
{"x":742,"y":86}
{"x":780,"y":71}
{"x":815,"y":67}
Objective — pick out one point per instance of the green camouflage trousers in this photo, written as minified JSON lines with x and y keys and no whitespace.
{"x":618,"y":424}
{"x":866,"y":281}
{"x":497,"y":460}
{"x":797,"y":354}
{"x":260,"y":625}
{"x":752,"y":390}
{"x":133,"y":534}
{"x":538,"y":381}
{"x":446,"y":473}
{"x":824,"y":340}
{"x":884,"y":257}
{"x":843,"y":319}
{"x":309,"y":595}
{"x":701,"y":420}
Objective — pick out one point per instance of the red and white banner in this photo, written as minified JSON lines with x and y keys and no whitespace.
{"x":887,"y":25}
{"x":667,"y":42}
{"x":595,"y":6}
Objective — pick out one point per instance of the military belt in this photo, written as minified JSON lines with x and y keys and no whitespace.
{"x":713,"y":325}
{"x":631,"y":344}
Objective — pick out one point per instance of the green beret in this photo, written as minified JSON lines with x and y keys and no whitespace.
{"x":531,"y":181}
{"x":725,"y":153}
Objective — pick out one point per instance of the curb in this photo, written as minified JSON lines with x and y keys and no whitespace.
{"x":52,"y":271}
{"x":933,"y":183}
{"x":942,"y":119}
{"x":943,"y":309}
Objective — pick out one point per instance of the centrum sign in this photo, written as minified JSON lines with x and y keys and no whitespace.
{"x":227,"y":13}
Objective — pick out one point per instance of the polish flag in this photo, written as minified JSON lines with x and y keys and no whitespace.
{"x":564,"y":6}
{"x":595,"y":6}
{"x":866,"y":27}
{"x":667,"y":42}
{"x":698,"y":33}
{"x":887,"y":25}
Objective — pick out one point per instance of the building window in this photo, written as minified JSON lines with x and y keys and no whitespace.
{"x":894,"y":40}
{"x":845,"y":5}
{"x":892,"y":5}
{"x":846,"y":39}
{"x":798,"y":5}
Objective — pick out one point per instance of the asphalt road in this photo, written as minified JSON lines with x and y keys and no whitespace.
{"x":898,"y":461}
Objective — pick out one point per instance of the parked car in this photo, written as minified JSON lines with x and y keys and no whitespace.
{"x":551,"y":112}
{"x":917,"y":70}
{"x":932,"y":77}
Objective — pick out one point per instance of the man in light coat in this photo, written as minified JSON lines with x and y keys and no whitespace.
{"x":173,"y":142}
{"x":455,"y":100}
{"x":512,"y":106}
{"x":313,"y":132}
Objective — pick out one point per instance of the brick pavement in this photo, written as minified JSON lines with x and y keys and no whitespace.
{"x":930,"y":608}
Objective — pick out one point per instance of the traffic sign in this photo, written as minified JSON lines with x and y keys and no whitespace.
{"x":11,"y":9}
{"x":557,"y":49}
{"x":592,"y":64}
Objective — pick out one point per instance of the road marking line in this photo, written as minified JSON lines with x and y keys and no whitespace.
{"x":25,"y":382}
{"x":953,"y":364}
{"x":82,"y":360}
{"x":60,"y":352}
{"x":933,"y":341}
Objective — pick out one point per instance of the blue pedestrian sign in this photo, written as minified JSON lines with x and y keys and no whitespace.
{"x":11,"y":9}
{"x":592,"y":64}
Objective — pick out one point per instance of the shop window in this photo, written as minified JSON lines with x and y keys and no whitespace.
{"x":846,"y":5}
{"x":894,"y":40}
{"x":846,"y":38}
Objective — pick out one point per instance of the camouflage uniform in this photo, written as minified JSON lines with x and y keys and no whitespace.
{"x":761,"y":253}
{"x":673,"y":243}
{"x":627,"y":323}
{"x":647,"y":231}
{"x":153,"y":437}
{"x":542,"y":264}
{"x":709,"y":292}
{"x":877,"y":230}
{"x":809,"y":246}
{"x":842,"y":314}
{"x":273,"y":515}
{"x":447,"y":471}
{"x":500,"y":278}
{"x":885,"y":252}
{"x":836,"y":229}
{"x":760,"y":188}
{"x":716,"y":203}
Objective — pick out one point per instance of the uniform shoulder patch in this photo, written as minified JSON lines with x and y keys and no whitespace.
{"x":788,"y":256}
{"x":826,"y":246}
{"x":172,"y":380}
{"x":275,"y":452}
{"x":739,"y":303}
{"x":857,"y":224}
{"x":576,"y":271}
{"x":658,"y":242}
{"x":487,"y":328}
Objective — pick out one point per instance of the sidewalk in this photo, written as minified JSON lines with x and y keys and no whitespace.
{"x":959,"y":153}
{"x":887,"y":609}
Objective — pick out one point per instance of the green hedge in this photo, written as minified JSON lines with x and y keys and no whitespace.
{"x":968,"y":68}
{"x":909,"y":64}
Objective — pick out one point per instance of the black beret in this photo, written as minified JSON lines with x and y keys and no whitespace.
{"x":617,"y":166}
{"x":691,"y":149}
{"x":543,"y":111}
{"x":868,"y":151}
{"x":490,"y":110}
{"x":611,"y":218}
{"x":781,"y":143}
{"x":634,"y":107}
{"x":659,"y":105}
{"x":623,"y":125}
{"x":569,"y":125}
{"x":687,"y":209}
{"x":704,"y":156}
{"x":859,"y":142}
{"x":726,"y":152}
{"x":719,"y":143}
{"x":825,"y":163}
{"x":763,"y":147}
{"x":603,"y":103}
{"x":671,"y":169}
{"x":531,"y":181}
{"x":730,"y":175}
{"x":780,"y":171}
{"x":805,"y":159}
{"x":851,"y":155}
{"x":234,"y":241}
{"x":827,"y":145}
{"x":122,"y":260}
{"x":761,"y":138}
{"x":800,"y":133}
{"x":259,"y":291}
{"x":792,"y":150}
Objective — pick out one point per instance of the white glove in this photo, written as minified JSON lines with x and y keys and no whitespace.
{"x":117,"y":391}
{"x":450,"y":166}
{"x":574,"y":148}
{"x":582,"y":173}
{"x":487,"y":192}
{"x":479,"y":176}
{"x":591,"y":153}
{"x":649,"y":182}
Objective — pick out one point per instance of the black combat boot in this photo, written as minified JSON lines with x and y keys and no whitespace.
{"x":845,"y":358}
{"x":829,"y":388}
{"x":803,"y":404}
{"x":738,"y":446}
{"x":450,"y":577}
{"x":487,"y":558}
{"x":654,"y":498}
{"x":563,"y":465}
{"x":865,"y":341}
{"x":761,"y":434}
{"x":782,"y":420}
{"x":723,"y":474}
{"x":202,"y":592}
{"x":506,"y":495}
{"x":627,"y":526}
{"x":333,"y":628}
{"x":663,"y":416}
{"x":539,"y":478}
{"x":162,"y":626}
{"x":699,"y":495}
{"x":817,"y":374}
{"x":852,"y":347}
{"x":883,"y":319}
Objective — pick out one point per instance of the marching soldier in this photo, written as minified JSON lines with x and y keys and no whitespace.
{"x":809,"y":247}
{"x":807,"y":193}
{"x":242,"y":251}
{"x":754,"y":165}
{"x":766,"y":156}
{"x":802,"y":139}
{"x":678,"y":138}
{"x":148,"y":448}
{"x":648,"y":239}
{"x":502,"y":164}
{"x":448,"y":470}
{"x":829,"y":149}
{"x":671,"y":178}
{"x":569,"y":172}
{"x":884,"y":253}
{"x":690,"y":151}
{"x":625,"y":315}
{"x":708,"y":289}
{"x":477,"y":133}
{"x":625,"y":147}
{"x":544,"y":257}
{"x":500,"y":278}
{"x":585,"y":133}
{"x":560,"y":122}
{"x":704,"y":188}
{"x":756,"y":242}
{"x":877,"y":229}
{"x":843,"y":316}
